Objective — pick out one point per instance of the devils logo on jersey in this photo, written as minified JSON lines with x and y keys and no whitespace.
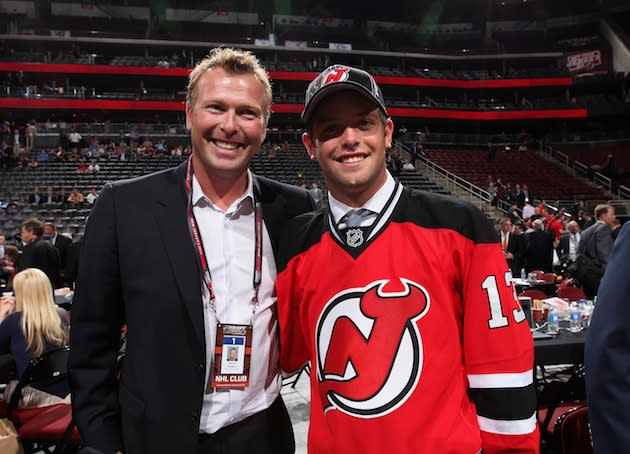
{"x":369,"y":349}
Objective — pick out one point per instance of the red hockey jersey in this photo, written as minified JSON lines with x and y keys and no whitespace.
{"x":415,"y":336}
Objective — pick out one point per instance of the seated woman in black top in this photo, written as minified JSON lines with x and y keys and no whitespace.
{"x":36,"y":326}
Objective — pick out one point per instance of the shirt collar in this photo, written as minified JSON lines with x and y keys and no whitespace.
{"x":376,"y":203}
{"x":198,"y":195}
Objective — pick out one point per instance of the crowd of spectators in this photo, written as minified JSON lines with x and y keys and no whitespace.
{"x":548,"y":240}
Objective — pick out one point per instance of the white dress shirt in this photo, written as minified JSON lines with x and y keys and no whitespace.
{"x":229,"y":240}
{"x":574,"y":241}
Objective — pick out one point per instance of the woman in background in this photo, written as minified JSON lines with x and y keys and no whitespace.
{"x":37,"y":326}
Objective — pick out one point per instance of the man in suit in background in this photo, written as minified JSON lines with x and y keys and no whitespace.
{"x":568,"y":245}
{"x":607,"y":355}
{"x":183,"y":256}
{"x":539,"y":245}
{"x":596,"y":243}
{"x":37,"y":252}
{"x":61,"y":243}
{"x":35,"y":198}
{"x":511,"y":247}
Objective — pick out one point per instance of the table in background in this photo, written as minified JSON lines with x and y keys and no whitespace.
{"x":548,"y":288}
{"x":564,"y":348}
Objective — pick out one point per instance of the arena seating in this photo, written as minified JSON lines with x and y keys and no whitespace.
{"x":292,"y":167}
{"x":545,"y":179}
{"x":597,"y":155}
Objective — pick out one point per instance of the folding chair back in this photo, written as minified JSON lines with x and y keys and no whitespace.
{"x":573,"y":431}
{"x":49,"y":368}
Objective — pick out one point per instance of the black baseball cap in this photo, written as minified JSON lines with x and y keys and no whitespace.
{"x":337,"y":78}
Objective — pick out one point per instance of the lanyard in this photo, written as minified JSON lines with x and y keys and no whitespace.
{"x":198,"y":242}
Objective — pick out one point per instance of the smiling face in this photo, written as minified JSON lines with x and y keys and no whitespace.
{"x":226,"y":123}
{"x":348,"y":139}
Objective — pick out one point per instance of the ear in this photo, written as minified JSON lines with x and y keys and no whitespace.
{"x":389,"y":131}
{"x":188,"y":115}
{"x":310,"y":146}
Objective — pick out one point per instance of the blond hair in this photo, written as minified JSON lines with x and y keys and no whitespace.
{"x":41,"y":321}
{"x":234,"y":61}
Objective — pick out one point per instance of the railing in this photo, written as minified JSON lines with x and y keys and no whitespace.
{"x":452,"y":181}
{"x":623,"y":192}
{"x":603,"y":181}
{"x":563,"y":158}
{"x":580,"y":168}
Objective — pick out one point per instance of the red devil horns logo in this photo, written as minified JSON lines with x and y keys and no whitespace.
{"x":369,"y":348}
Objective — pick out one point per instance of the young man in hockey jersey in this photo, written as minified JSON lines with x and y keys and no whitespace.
{"x":400,"y":299}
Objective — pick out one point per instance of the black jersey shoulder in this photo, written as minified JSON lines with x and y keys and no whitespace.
{"x":300,"y":233}
{"x":437,"y":211}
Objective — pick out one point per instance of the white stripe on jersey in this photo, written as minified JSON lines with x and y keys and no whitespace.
{"x":504,"y":427}
{"x":516,"y":380}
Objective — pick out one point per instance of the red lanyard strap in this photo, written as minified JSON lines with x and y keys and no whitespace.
{"x":193,"y":226}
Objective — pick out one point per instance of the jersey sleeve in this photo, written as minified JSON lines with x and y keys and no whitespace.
{"x":498,"y":353}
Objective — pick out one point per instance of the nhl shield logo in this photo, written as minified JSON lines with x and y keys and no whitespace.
{"x":354,"y":237}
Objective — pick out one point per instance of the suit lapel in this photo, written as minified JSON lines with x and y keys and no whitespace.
{"x":274,"y":211}
{"x":170,"y":215}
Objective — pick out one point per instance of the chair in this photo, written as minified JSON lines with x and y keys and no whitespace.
{"x":49,"y":368}
{"x":534,"y":294}
{"x":538,"y":273}
{"x":52,"y":430}
{"x":548,"y":277}
{"x":571,"y":293}
{"x":556,"y":400}
{"x":573,"y":432}
{"x":43,"y":426}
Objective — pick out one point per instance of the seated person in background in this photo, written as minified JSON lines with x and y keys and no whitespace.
{"x":92,"y":196}
{"x":50,"y":198}
{"x":7,"y":264}
{"x":37,"y":326}
{"x":35,"y":198}
{"x":75,"y":197}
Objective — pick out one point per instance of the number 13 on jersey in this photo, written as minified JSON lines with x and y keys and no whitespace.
{"x":498,"y":319}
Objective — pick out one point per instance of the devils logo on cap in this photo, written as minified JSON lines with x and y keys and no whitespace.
{"x":338,"y":74}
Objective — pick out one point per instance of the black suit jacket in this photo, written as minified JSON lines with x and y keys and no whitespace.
{"x":515,"y":247}
{"x":32,"y":199}
{"x":563,"y":248}
{"x":539,"y":251}
{"x":42,"y":255}
{"x":62,"y":243}
{"x":138,"y":265}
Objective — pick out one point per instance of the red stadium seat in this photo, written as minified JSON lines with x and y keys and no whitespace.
{"x":571,"y":293}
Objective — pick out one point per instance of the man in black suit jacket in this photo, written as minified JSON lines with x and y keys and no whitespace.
{"x":539,"y":246}
{"x":35,"y":198}
{"x":511,"y":247}
{"x":37,"y":252}
{"x":61,"y":243}
{"x":140,"y":266}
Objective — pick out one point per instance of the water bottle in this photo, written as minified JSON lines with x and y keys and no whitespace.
{"x":553,"y":322}
{"x":586,"y":314}
{"x":575,"y":318}
{"x":583,"y":311}
{"x":523,"y":274}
